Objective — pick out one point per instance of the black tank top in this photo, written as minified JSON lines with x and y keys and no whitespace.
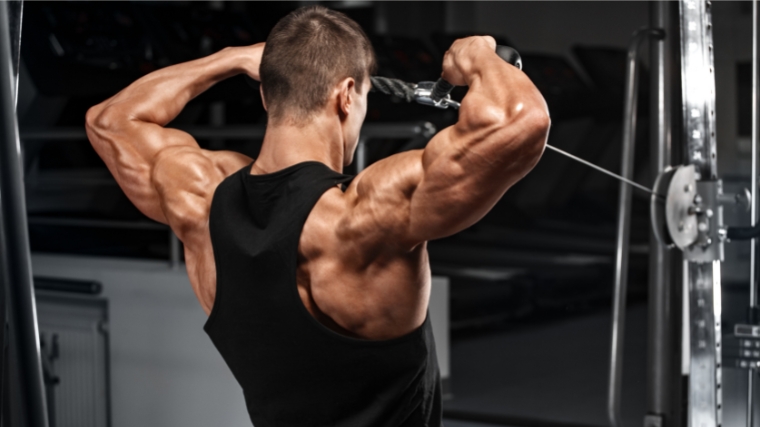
{"x":294,"y":371}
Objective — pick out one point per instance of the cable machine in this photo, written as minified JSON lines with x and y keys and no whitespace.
{"x":687,"y":238}
{"x":684,"y":153}
{"x":688,"y":234}
{"x":686,"y":211}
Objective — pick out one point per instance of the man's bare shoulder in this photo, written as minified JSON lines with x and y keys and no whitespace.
{"x":386,"y":178}
{"x":369,"y":213}
{"x":229,"y":162}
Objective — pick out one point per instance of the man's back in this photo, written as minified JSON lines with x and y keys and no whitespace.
{"x":293,"y":370}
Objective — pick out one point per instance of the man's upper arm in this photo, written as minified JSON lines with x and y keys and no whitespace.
{"x":185,"y":179}
{"x":428,"y":194}
{"x":163,"y":171}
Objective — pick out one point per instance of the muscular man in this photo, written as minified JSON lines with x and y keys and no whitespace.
{"x":317,"y":284}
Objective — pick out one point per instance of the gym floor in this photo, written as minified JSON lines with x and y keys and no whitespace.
{"x":555,"y":372}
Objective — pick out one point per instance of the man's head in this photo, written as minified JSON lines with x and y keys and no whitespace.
{"x":311,"y":55}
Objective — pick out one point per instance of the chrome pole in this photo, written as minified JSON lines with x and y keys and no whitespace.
{"x":753,"y":210}
{"x":15,"y":14}
{"x":361,"y":154}
{"x":623,"y":227}
{"x":14,"y":21}
{"x":175,"y":251}
{"x":23,"y":313}
{"x":661,"y":320}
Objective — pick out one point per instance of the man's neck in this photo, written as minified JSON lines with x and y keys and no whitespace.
{"x":285,"y":145}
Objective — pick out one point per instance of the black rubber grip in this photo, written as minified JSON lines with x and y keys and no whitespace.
{"x":743,"y":233}
{"x":510,"y":55}
{"x":441,"y":88}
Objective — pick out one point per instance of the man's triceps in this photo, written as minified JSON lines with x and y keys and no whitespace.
{"x":184,"y":179}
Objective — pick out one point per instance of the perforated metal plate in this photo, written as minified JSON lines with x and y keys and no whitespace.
{"x":698,"y":91}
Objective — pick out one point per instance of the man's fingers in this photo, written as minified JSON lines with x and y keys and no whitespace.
{"x":491,"y":41}
{"x":452,"y":62}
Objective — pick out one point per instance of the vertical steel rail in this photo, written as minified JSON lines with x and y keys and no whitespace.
{"x":5,"y":284}
{"x":15,"y":8}
{"x":18,"y":259}
{"x":361,"y":154}
{"x":14,"y":22}
{"x":753,"y":189}
{"x":661,"y":321}
{"x":703,"y":278}
{"x":753,"y":211}
{"x":623,"y":227}
{"x":175,"y":251}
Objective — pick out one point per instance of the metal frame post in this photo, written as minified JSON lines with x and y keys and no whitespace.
{"x":361,"y":154}
{"x":5,"y":284}
{"x":753,"y":211}
{"x":175,"y":251}
{"x":23,"y":316}
{"x":661,"y":320}
{"x":623,"y":225}
{"x":14,"y":24}
{"x":15,"y":9}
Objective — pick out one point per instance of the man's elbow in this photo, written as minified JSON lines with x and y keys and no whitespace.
{"x":525,"y":133}
{"x":528,"y":119}
{"x":101,"y":119}
{"x":537,"y":123}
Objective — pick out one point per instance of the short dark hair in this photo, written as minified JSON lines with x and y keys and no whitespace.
{"x":306,"y":54}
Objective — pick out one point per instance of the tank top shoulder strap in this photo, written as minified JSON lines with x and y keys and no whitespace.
{"x":311,"y":169}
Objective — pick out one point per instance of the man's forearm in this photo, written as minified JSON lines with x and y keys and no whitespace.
{"x":127,"y":130}
{"x":160,"y":96}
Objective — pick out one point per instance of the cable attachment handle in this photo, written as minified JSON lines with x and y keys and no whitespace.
{"x":435,"y":94}
{"x":441,"y":89}
{"x":438,"y":94}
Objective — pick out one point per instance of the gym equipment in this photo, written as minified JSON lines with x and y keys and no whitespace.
{"x":685,"y":210}
{"x":25,"y":357}
{"x":686,"y":213}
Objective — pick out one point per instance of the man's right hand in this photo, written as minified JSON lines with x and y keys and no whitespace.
{"x":253,"y":55}
{"x":458,"y":60}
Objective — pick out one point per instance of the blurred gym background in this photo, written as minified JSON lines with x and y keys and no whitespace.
{"x":529,"y":287}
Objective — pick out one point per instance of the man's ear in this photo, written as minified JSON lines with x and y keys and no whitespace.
{"x":346,"y":95}
{"x":263,"y":101}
